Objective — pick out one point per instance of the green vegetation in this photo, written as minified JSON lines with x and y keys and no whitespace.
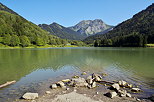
{"x":135,"y":32}
{"x":15,"y":31}
{"x":62,"y":32}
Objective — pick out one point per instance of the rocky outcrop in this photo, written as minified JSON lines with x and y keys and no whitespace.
{"x":89,"y":27}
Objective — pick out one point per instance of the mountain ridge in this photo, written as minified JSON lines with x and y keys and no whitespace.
{"x":61,"y":31}
{"x":90,"y":27}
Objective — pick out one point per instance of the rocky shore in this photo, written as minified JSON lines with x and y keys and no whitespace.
{"x":86,"y":88}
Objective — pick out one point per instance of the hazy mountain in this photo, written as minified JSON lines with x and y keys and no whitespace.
{"x":61,"y":31}
{"x":90,"y":27}
{"x":139,"y":28}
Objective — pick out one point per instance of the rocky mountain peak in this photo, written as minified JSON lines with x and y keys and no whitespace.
{"x":89,"y":27}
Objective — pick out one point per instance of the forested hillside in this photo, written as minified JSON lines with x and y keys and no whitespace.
{"x":17,"y":31}
{"x":62,"y":32}
{"x":136,"y":31}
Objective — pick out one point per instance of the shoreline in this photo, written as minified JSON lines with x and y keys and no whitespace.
{"x":96,"y":94}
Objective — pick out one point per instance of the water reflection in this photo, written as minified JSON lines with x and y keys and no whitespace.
{"x":29,"y":65}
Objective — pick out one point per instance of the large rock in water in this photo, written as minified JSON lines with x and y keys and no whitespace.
{"x":30,"y":96}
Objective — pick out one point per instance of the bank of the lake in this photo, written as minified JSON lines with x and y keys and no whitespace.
{"x":36,"y":69}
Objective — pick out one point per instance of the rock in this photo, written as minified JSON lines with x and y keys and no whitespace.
{"x":76,"y":76}
{"x":66,"y":80}
{"x":129,"y":85}
{"x":89,"y":80}
{"x":96,"y":77}
{"x":84,"y":73}
{"x":79,"y":82}
{"x":64,"y":87}
{"x":111,"y":94}
{"x":128,"y":95}
{"x":30,"y":96}
{"x":123,"y":83}
{"x":151,"y":98}
{"x":47,"y":92}
{"x":93,"y":85}
{"x":61,"y":84}
{"x":53,"y":86}
{"x":136,"y":89}
{"x":97,"y":93}
{"x":122,"y":93}
{"x":67,"y":88}
{"x":115,"y":86}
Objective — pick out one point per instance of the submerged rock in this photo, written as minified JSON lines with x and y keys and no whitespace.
{"x":30,"y":96}
{"x":84,"y":73}
{"x":136,"y":89}
{"x":115,"y":86}
{"x":66,"y":80}
{"x":53,"y":86}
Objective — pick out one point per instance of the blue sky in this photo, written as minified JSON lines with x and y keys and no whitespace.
{"x":70,"y":12}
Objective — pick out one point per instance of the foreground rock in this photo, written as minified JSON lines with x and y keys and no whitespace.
{"x":53,"y":86}
{"x":78,"y":82}
{"x":111,"y":94}
{"x":96,"y":77}
{"x":30,"y":96}
{"x":115,"y":86}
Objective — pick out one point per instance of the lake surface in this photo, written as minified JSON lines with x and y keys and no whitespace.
{"x":30,"y":67}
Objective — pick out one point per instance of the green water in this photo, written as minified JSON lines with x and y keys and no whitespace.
{"x":135,"y":65}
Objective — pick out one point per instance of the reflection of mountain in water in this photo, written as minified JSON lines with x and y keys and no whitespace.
{"x":17,"y":63}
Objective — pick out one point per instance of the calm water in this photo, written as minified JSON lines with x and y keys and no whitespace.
{"x":30,"y":67}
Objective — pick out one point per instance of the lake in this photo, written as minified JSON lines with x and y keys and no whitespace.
{"x":32,"y":67}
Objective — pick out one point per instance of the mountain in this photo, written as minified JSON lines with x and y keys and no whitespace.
{"x":61,"y":31}
{"x":16,"y":30}
{"x":136,"y":31}
{"x":90,"y":27}
{"x":4,"y":8}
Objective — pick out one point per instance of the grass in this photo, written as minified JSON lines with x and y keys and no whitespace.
{"x":150,"y":45}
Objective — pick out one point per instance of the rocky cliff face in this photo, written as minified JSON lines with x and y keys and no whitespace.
{"x":89,"y":27}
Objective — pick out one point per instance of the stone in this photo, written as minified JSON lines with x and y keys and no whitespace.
{"x":136,"y":89}
{"x":122,"y":93}
{"x":30,"y":96}
{"x":53,"y":86}
{"x":111,"y":94}
{"x":47,"y":92}
{"x":67,"y":88}
{"x":151,"y":98}
{"x":66,"y":80}
{"x":84,"y":73}
{"x":79,"y":82}
{"x":123,"y":83}
{"x":76,"y":76}
{"x":115,"y":86}
{"x":129,"y":85}
{"x":61,"y":84}
{"x":96,"y":77}
{"x":93,"y":85}
{"x":128,"y":95}
{"x":89,"y":80}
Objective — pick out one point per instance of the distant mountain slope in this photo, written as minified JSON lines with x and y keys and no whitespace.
{"x":61,"y":31}
{"x":141,"y":26}
{"x":90,"y":27}
{"x":15,"y":30}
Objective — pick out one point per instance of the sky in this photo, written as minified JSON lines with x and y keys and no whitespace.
{"x":70,"y":12}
